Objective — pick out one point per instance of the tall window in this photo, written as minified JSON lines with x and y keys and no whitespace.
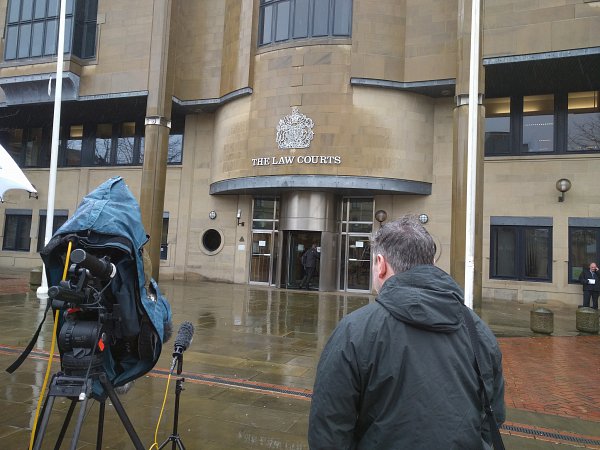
{"x":74,"y":145}
{"x":28,"y":147}
{"x":497,"y":126}
{"x":103,"y":144}
{"x":32,"y":28}
{"x":538,"y":124}
{"x":164,"y":243}
{"x":60,"y":217}
{"x":17,"y":226}
{"x":355,"y":249}
{"x":283,"y":20}
{"x":584,"y":248}
{"x":556,"y":123}
{"x":175,"y":151}
{"x":521,"y":252}
{"x":583,"y":122}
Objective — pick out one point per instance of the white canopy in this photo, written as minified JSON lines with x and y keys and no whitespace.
{"x":11,"y":175}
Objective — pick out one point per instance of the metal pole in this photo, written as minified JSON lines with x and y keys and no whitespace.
{"x":42,"y":291}
{"x":472,"y":153}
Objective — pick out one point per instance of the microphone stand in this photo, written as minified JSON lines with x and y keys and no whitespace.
{"x":174,"y":437}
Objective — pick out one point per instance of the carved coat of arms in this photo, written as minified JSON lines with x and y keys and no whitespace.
{"x":295,"y":130}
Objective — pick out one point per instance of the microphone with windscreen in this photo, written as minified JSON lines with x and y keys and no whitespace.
{"x":182,"y":342}
{"x":184,"y":338}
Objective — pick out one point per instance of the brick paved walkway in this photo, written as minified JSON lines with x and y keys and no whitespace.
{"x":553,"y":375}
{"x":13,"y":284}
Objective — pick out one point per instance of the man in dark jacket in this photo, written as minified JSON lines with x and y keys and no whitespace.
{"x":591,"y":285}
{"x":399,"y":373}
{"x":309,"y":260}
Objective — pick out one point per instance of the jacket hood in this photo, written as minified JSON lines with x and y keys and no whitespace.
{"x":425,"y":297}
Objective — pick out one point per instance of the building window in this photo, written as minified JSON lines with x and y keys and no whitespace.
{"x":32,"y":28}
{"x":212,"y":241}
{"x":74,"y":145}
{"x":103,"y":144}
{"x":17,"y":226}
{"x":284,"y":20}
{"x":584,"y":248}
{"x":29,"y":147}
{"x":557,"y":123}
{"x":521,"y":252}
{"x":497,"y":126}
{"x":60,"y":217}
{"x":356,"y":225}
{"x":583,"y":122}
{"x":86,"y":145}
{"x":164,"y":244}
{"x":538,"y":124}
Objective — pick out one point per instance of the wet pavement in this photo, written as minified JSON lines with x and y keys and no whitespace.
{"x":251,"y":365}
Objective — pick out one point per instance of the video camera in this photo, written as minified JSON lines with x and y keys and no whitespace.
{"x":92,"y":317}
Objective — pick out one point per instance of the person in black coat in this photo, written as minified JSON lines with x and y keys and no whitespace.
{"x":591,"y":285}
{"x":400,"y":373}
{"x":309,"y":261}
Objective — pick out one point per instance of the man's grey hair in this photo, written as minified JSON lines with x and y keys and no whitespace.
{"x":405,"y":243}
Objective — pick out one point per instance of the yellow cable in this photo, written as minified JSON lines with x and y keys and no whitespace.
{"x":45,"y":384}
{"x":67,"y":261}
{"x":39,"y":404}
{"x":162,"y":408}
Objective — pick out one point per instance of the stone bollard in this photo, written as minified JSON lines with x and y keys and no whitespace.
{"x":586,"y":320}
{"x":541,"y":320}
{"x":35,"y":278}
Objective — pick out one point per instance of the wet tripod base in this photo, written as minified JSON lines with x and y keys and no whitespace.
{"x":72,"y":387}
{"x":175,"y":438}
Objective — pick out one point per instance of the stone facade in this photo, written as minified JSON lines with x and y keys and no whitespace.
{"x":233,"y":93}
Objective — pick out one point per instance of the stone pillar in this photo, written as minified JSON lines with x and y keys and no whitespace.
{"x":157,"y":127}
{"x":459,"y":161}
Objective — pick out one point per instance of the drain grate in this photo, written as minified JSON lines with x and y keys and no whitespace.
{"x":558,"y":436}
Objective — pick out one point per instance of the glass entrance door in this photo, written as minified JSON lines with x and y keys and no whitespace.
{"x":295,"y":244}
{"x":261,"y":258}
{"x":359,"y":263}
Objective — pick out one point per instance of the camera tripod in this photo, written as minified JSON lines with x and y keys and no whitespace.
{"x":79,"y":389}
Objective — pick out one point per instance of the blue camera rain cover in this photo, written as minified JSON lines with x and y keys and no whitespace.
{"x":109,"y":217}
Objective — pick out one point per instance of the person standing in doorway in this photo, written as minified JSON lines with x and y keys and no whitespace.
{"x":591,"y":285}
{"x":309,"y":261}
{"x":400,"y":373}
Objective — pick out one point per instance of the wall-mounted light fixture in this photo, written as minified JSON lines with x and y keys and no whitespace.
{"x":239,"y":215}
{"x":380,"y":216}
{"x":212,"y":215}
{"x":423,"y":218}
{"x":562,"y":186}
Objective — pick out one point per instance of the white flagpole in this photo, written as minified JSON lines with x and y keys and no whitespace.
{"x":42,"y":291}
{"x":472,"y":154}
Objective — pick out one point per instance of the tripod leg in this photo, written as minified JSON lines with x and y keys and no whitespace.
{"x":79,"y":423}
{"x":121,"y":412}
{"x":65,"y":425}
{"x":44,"y":423}
{"x":100,"y":425}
